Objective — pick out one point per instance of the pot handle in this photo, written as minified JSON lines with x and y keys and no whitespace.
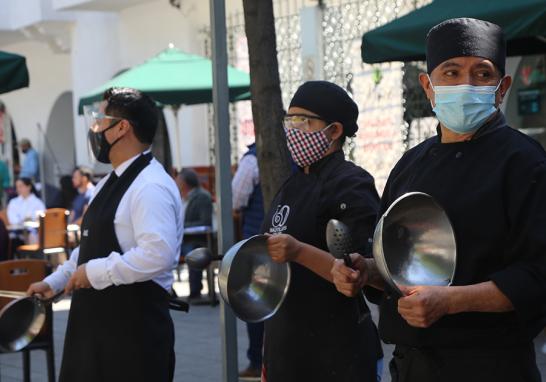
{"x":53,"y":299}
{"x":175,"y":303}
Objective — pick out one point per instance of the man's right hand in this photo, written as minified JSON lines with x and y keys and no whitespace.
{"x":349,"y":281}
{"x":42,"y":288}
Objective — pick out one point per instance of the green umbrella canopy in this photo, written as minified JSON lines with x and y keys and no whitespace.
{"x":523,"y":22}
{"x":174,"y":78}
{"x":13,"y":72}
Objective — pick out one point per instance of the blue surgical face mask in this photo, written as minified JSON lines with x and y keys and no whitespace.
{"x":463,"y":109}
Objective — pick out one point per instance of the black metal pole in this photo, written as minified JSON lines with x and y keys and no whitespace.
{"x":220,"y":96}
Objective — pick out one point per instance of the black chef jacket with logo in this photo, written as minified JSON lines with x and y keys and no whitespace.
{"x":315,"y":335}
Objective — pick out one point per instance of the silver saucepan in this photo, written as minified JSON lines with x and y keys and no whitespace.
{"x":414,"y":243}
{"x":249,"y":280}
{"x":22,"y":319}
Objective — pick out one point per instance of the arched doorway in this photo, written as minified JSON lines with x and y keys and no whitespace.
{"x":57,"y":145}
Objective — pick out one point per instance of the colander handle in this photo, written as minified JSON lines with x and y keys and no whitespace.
{"x":363,"y":310}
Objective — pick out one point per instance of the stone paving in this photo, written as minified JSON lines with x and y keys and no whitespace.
{"x":197,"y":346}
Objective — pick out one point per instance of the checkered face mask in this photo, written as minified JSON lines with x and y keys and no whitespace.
{"x":307,"y":147}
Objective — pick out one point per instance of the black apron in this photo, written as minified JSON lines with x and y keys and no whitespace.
{"x":121,"y":333}
{"x":513,"y":364}
{"x":315,"y":335}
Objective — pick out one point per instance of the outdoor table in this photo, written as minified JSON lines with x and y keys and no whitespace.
{"x":22,"y":230}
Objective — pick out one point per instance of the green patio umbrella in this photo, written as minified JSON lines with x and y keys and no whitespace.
{"x":174,"y":78}
{"x":13,"y":72}
{"x":523,"y":21}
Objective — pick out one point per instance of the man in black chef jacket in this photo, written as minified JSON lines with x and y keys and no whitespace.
{"x":491,"y":180}
{"x":119,"y":326}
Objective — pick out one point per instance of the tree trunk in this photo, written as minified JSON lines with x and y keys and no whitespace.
{"x":267,"y":109}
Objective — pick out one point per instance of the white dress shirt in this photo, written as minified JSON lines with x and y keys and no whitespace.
{"x":90,"y":190}
{"x":245,"y":179}
{"x":21,"y":209}
{"x":148,"y":224}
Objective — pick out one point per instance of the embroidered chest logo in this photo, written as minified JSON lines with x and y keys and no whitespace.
{"x":278,"y":221}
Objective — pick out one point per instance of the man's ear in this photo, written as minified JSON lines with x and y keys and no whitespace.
{"x":424,"y":80}
{"x":505,"y":84}
{"x":124,"y":126}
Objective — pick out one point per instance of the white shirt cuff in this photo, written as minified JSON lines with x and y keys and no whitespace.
{"x":97,"y":273}
{"x":56,"y":282}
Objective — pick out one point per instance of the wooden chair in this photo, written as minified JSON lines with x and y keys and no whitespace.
{"x":52,"y":235}
{"x":17,"y":275}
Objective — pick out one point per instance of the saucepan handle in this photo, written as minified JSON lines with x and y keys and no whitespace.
{"x":176,"y":303}
{"x":55,"y":298}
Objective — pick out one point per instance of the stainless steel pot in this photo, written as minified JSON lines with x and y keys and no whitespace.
{"x":251,"y":282}
{"x":414,"y":243}
{"x":22,"y":319}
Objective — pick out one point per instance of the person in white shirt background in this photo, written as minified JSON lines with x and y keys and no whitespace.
{"x":119,"y":326}
{"x":26,"y":205}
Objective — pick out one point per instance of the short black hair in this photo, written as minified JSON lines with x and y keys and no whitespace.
{"x":189,"y":177}
{"x":84,"y":171}
{"x":136,"y":107}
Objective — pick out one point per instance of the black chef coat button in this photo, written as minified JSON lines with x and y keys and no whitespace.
{"x":458,"y":155}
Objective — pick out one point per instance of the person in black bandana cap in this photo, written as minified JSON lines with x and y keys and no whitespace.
{"x":491,"y":180}
{"x":316,"y":334}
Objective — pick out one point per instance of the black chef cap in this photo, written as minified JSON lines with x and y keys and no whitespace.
{"x":465,"y":37}
{"x":330,"y":102}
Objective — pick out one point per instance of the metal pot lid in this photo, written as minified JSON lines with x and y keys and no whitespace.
{"x":20,"y":322}
{"x":251,"y":282}
{"x":414,"y":243}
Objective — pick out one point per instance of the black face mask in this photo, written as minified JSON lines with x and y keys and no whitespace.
{"x":99,"y":145}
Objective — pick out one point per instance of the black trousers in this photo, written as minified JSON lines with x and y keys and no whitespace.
{"x":255,"y":343}
{"x":514,"y":364}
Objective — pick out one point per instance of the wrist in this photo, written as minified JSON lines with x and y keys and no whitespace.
{"x":452,"y":300}
{"x":298,"y":251}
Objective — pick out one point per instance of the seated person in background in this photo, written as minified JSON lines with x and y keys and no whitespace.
{"x":81,"y":180}
{"x":26,"y":205}
{"x":198,"y":212}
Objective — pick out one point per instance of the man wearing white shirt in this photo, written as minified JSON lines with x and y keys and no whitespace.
{"x":81,"y":180}
{"x":119,"y":327}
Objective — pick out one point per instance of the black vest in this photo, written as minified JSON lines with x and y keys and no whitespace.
{"x":121,"y":333}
